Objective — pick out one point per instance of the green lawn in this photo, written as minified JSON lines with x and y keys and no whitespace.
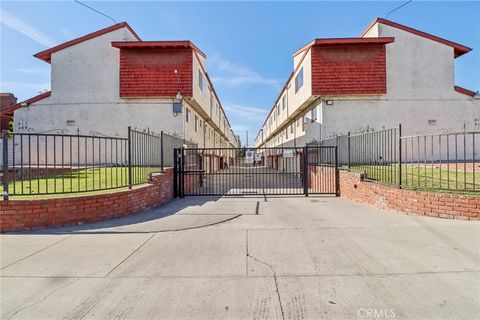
{"x":423,"y":177}
{"x":79,"y":181}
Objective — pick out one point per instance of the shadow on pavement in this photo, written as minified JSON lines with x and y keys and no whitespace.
{"x":154,"y":215}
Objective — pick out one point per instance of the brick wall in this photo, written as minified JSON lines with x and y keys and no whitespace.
{"x":27,"y":214}
{"x":434,"y":204}
{"x":151,"y":72}
{"x":349,"y":70}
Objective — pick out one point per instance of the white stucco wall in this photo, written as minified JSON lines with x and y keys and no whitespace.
{"x":358,"y":115}
{"x":88,"y":72}
{"x":106,"y":118}
{"x":203,"y":99}
{"x":418,"y":67}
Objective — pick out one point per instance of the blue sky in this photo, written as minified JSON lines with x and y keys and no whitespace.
{"x":249,"y":45}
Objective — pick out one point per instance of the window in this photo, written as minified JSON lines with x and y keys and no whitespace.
{"x":284,"y":102}
{"x":212,"y":104}
{"x":291,"y":128}
{"x":286,"y":133}
{"x":299,"y":80}
{"x":304,"y":121}
{"x":188,"y":116}
{"x":196,"y":124}
{"x":201,"y":124}
{"x":278,"y":109}
{"x":314,"y":114}
{"x":201,"y":81}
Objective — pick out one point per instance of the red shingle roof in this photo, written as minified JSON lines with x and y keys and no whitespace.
{"x":344,"y":41}
{"x":465,"y":91}
{"x":458,"y":48}
{"x":9,"y":110}
{"x":179,"y":44}
{"x":46,"y":54}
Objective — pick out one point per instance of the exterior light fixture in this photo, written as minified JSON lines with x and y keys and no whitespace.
{"x":177,"y":103}
{"x":329,"y":102}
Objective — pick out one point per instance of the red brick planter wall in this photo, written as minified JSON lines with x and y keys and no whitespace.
{"x":27,"y":214}
{"x":434,"y":204}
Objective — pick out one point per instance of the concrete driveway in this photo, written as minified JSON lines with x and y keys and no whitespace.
{"x":246,"y":258}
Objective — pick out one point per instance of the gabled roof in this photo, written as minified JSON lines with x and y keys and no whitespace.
{"x":180,"y":44}
{"x":458,"y":48}
{"x":465,"y":91}
{"x":9,"y":110}
{"x":344,"y":41}
{"x":46,"y":54}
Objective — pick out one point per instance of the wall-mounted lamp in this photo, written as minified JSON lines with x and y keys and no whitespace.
{"x":24,"y":104}
{"x":177,"y":103}
{"x":329,"y":102}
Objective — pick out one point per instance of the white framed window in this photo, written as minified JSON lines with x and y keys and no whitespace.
{"x":201,"y":81}
{"x":304,"y":121}
{"x":314,"y":114}
{"x":284,"y":101}
{"x":299,"y":80}
{"x":291,"y":128}
{"x":279,"y":109}
{"x":196,"y":124}
{"x":212,"y":104}
{"x":188,"y":116}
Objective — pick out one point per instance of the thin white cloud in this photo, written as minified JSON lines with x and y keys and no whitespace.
{"x":34,"y":70}
{"x":9,"y":20}
{"x":245,"y":112}
{"x":241,"y":128}
{"x":234,"y":74}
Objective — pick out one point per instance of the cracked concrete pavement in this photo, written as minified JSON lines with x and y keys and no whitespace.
{"x":246,"y":258}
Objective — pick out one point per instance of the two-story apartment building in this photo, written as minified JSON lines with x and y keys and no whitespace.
{"x":391,"y":74}
{"x":111,"y":79}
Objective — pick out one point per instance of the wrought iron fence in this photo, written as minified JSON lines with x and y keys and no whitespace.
{"x":448,"y":161}
{"x":442,"y":161}
{"x":375,"y":154}
{"x":48,"y":163}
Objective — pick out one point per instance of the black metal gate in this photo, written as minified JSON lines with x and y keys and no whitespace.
{"x":256,"y":171}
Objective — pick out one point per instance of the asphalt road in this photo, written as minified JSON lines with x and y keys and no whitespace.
{"x":246,"y":258}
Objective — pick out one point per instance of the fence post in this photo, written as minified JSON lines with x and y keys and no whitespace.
{"x":400,"y":156}
{"x":348,"y":151}
{"x":161,"y":149}
{"x":182,"y":173}
{"x":305,"y":171}
{"x":5,"y":164}
{"x":337,"y":174}
{"x":129,"y":157}
{"x":175,"y":173}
